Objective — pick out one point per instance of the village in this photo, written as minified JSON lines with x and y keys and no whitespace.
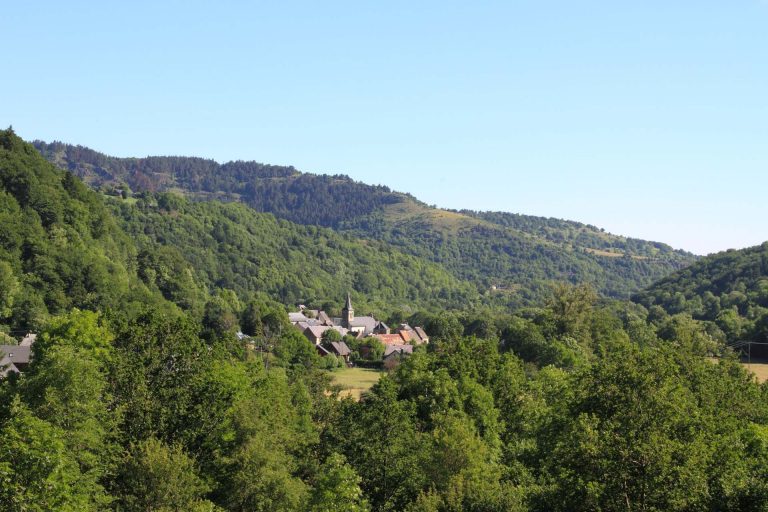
{"x":352,"y":337}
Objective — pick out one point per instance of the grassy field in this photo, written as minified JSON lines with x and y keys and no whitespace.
{"x":355,"y":381}
{"x":759,"y":369}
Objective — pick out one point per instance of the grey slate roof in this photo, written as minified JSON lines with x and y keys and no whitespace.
{"x":297,"y":317}
{"x":318,"y":330}
{"x":7,"y":366}
{"x":397,"y":349}
{"x":28,"y":340}
{"x":16,"y":353}
{"x":368,"y":322}
{"x":324,"y":319}
{"x":341,"y":348}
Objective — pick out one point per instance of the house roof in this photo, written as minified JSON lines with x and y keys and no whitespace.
{"x":340,"y":348}
{"x":421,"y":333}
{"x":322,"y":350}
{"x":7,"y":366}
{"x":406,"y":335}
{"x":28,"y":340}
{"x":318,"y":330}
{"x":381,"y":326}
{"x":297,"y":317}
{"x":324,"y":319}
{"x":16,"y":353}
{"x":367,"y":322}
{"x":390,"y":339}
{"x":398,"y":349}
{"x":404,"y":327}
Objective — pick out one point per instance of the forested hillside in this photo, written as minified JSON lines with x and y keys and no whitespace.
{"x":515,"y":253}
{"x":729,"y":289}
{"x":59,"y":245}
{"x":63,"y":245}
{"x":233,"y":247}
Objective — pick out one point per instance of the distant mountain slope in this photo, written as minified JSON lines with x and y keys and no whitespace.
{"x":729,"y":288}
{"x":516,"y":254}
{"x":63,"y":245}
{"x":233,"y":247}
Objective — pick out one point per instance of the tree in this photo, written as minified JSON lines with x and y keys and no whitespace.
{"x":373,"y":348}
{"x":159,"y":477}
{"x":250,"y":319}
{"x":329,"y":336}
{"x":632,"y":440}
{"x":85,"y":331}
{"x":69,"y":390}
{"x":337,"y":488}
{"x":37,"y":471}
{"x":9,"y":287}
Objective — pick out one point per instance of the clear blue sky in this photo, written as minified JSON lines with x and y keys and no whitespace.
{"x":647,"y":118}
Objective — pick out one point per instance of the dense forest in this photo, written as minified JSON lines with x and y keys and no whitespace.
{"x":230,"y":246}
{"x":728,"y":289}
{"x":59,"y":245}
{"x":516,"y":254}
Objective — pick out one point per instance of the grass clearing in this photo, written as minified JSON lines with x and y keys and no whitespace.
{"x":759,"y":369}
{"x":356,"y":381}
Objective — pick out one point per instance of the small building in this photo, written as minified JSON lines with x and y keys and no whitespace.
{"x":394,"y":354}
{"x":390,"y":339}
{"x":421,"y":334}
{"x":381,"y":328}
{"x":16,"y":358}
{"x":314,"y":333}
{"x":341,"y":349}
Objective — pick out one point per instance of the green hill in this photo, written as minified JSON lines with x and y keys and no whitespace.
{"x":59,"y":246}
{"x":514,"y":254}
{"x":233,"y":247}
{"x":63,"y":245}
{"x":729,"y":289}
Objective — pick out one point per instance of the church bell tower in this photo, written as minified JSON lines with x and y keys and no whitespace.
{"x":347,"y":314}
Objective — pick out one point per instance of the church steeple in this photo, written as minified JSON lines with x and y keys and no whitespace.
{"x":348,"y":313}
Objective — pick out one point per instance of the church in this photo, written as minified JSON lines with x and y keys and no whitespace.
{"x":313,"y":323}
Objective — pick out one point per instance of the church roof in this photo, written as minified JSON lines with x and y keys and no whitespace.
{"x":367,"y":322}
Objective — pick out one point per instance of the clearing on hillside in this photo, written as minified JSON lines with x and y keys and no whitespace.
{"x":356,"y":381}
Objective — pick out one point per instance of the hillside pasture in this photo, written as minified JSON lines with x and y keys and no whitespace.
{"x":355,"y":381}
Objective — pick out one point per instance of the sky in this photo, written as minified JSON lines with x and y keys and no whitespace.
{"x":649,"y":119}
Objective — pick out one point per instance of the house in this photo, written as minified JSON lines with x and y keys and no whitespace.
{"x":381,"y":328}
{"x":324,"y":319}
{"x":28,"y":340}
{"x":16,"y":358}
{"x":314,"y":333}
{"x":390,"y":339}
{"x":421,"y":334}
{"x":297,"y":317}
{"x":340,"y":349}
{"x":393,"y":354}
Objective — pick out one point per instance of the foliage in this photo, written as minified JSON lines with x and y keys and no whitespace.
{"x":729,"y":290}
{"x":517,"y":253}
